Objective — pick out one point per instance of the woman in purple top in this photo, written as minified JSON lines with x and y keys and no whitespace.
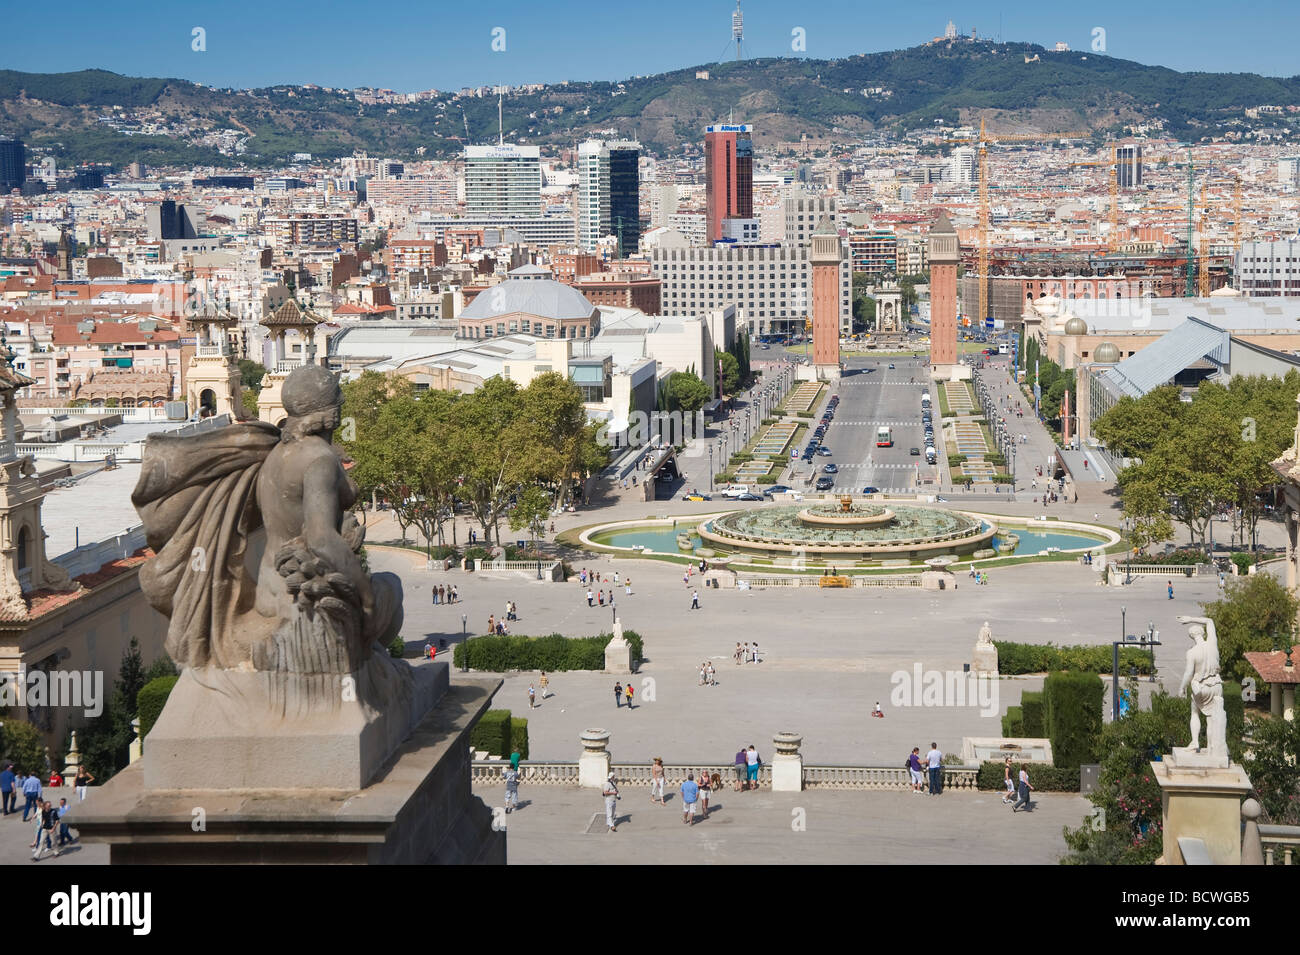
{"x":914,"y":764}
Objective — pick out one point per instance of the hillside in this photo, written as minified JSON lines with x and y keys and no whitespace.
{"x":99,"y":116}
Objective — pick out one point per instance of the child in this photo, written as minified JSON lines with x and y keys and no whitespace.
{"x":512,"y":789}
{"x":1010,"y":794}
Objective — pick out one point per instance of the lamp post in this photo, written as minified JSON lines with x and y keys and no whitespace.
{"x":710,"y":467}
{"x":464,"y":625}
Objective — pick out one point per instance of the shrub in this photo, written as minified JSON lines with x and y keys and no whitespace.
{"x":151,"y":699}
{"x":477,"y":553}
{"x":553,"y":653}
{"x":22,"y":742}
{"x":956,"y":460}
{"x":491,"y":733}
{"x":740,"y":457}
{"x":768,"y":479}
{"x":1044,"y":778}
{"x":397,"y":648}
{"x":723,"y":477}
{"x":443,"y":551}
{"x":1013,"y":723}
{"x":1003,"y":479}
{"x":1243,"y":562}
{"x":1017,"y":658}
{"x":803,"y":414}
{"x":1072,"y":714}
{"x":767,"y":421}
{"x":518,"y":737}
{"x":996,"y":458}
{"x":1031,"y":705}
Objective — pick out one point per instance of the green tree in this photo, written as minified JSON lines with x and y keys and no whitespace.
{"x":730,"y":377}
{"x":1257,"y":612}
{"x":23,"y":743}
{"x":1273,"y":765}
{"x":492,"y":467}
{"x":251,"y":373}
{"x":685,"y":392}
{"x":532,"y":508}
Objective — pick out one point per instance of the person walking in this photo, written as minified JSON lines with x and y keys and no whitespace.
{"x":7,"y":780}
{"x":65,"y":834}
{"x":611,"y":597}
{"x":532,"y":696}
{"x":695,"y":600}
{"x":610,"y":792}
{"x":455,"y":594}
{"x":44,"y":831}
{"x":736,"y":655}
{"x":914,"y":767}
{"x":690,"y":796}
{"x":600,"y":597}
{"x":704,"y":672}
{"x":754,"y":650}
{"x":545,"y":683}
{"x":934,"y":760}
{"x":710,"y":675}
{"x":627,"y":691}
{"x":492,"y":623}
{"x":1007,"y":781}
{"x":31,"y":788}
{"x":618,"y":694}
{"x":512,"y":789}
{"x":1025,"y":789}
{"x":627,"y":586}
{"x":752,"y":763}
{"x":704,"y":793}
{"x":1171,"y":590}
{"x":740,"y":769}
{"x":590,"y":597}
{"x":657,"y":781}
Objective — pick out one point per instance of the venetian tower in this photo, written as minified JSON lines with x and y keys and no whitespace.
{"x":826,"y":256}
{"x":944,"y":258}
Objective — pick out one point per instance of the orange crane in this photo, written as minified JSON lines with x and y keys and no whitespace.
{"x":982,"y":143}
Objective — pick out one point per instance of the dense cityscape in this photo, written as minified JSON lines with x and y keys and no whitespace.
{"x":332,"y":453}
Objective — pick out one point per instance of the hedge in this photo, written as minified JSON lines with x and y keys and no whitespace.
{"x":740,"y":457}
{"x":1031,"y":705}
{"x":803,"y":414}
{"x":956,"y":460}
{"x":1243,"y":562}
{"x":518,"y":737}
{"x":1017,"y":658}
{"x":722,"y":477}
{"x":769,"y":479}
{"x":1013,"y":726}
{"x":151,"y":699}
{"x":554,"y":652}
{"x":1044,"y":778}
{"x":1072,"y":703}
{"x":491,"y":733}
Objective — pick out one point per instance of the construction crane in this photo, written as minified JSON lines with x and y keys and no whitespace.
{"x":983,"y":141}
{"x":1112,"y":242}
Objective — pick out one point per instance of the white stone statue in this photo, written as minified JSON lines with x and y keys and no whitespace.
{"x":986,"y":633}
{"x":984,"y":659}
{"x":1202,"y":674}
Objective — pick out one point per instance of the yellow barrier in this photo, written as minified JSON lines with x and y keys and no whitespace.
{"x":833,"y":582}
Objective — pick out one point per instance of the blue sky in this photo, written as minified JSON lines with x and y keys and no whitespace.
{"x":417,"y":45}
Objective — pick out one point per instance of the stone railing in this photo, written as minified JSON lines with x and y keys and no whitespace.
{"x":489,"y":773}
{"x":1281,"y":844}
{"x":551,"y":569}
{"x":814,"y":580}
{"x":82,"y":451}
{"x":88,"y":558}
{"x":210,"y":351}
{"x":1164,"y":570}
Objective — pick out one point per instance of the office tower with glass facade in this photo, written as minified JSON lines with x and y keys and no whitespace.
{"x":728,"y":176}
{"x":503,"y":180}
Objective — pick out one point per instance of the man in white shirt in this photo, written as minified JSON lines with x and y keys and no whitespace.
{"x":610,"y":792}
{"x":934,"y":760}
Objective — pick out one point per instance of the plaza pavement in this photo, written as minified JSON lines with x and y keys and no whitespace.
{"x":16,"y":838}
{"x":559,"y":826}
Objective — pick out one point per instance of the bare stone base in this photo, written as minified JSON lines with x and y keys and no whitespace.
{"x":1201,"y":799}
{"x":221,"y":729}
{"x":418,"y":809}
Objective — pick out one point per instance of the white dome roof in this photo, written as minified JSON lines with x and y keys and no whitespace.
{"x":542,"y":297}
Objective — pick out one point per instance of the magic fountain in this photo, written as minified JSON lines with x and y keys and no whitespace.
{"x":849,"y":527}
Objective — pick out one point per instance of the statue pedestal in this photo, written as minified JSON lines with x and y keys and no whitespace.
{"x":984,"y":658}
{"x":1201,"y":798}
{"x":418,"y":809}
{"x":787,"y":764}
{"x":594,"y":763}
{"x":618,"y":652}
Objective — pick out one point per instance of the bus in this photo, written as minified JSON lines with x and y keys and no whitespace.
{"x":884,"y":437}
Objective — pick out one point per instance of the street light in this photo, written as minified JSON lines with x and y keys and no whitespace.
{"x":710,"y":467}
{"x":464,"y":623}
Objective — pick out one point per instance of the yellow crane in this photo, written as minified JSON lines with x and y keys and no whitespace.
{"x":1112,"y":240}
{"x":982,"y":144}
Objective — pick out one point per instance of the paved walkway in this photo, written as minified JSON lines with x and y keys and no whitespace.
{"x":556,"y":826}
{"x":16,"y":839}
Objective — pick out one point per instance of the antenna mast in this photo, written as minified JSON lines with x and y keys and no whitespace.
{"x":737,"y":28}
{"x":501,"y":129}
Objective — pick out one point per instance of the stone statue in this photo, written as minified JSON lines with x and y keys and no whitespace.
{"x":984,"y":658}
{"x":1202,"y":674}
{"x":986,"y":634}
{"x":258,"y":557}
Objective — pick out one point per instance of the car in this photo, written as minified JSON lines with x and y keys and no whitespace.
{"x":831,"y":468}
{"x":915,"y":452}
{"x":891,"y":365}
{"x":871,"y":489}
{"x":749,"y":497}
{"x":765,"y":347}
{"x":775,"y":489}
{"x":825,"y":483}
{"x":825,"y":451}
{"x":697,"y":496}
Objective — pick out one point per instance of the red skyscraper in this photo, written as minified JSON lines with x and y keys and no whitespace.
{"x":728,"y":176}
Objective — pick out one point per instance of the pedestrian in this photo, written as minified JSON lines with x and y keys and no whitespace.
{"x":627,"y":691}
{"x":611,"y":596}
{"x":686,"y":577}
{"x":44,"y":831}
{"x":704,"y":793}
{"x":616,"y":578}
{"x":610,"y":792}
{"x":65,"y":834}
{"x":1010,"y":794}
{"x":600,"y":597}
{"x":82,"y":780}
{"x":1171,"y":590}
{"x":740,"y":770}
{"x":754,"y":651}
{"x":914,"y":767}
{"x":532,"y":696}
{"x":7,"y":780}
{"x":492,"y":623}
{"x":657,"y":781}
{"x":545,"y":683}
{"x":31,"y":789}
{"x":703,"y":673}
{"x":695,"y":600}
{"x":934,"y":760}
{"x":690,"y":795}
{"x":618,"y":693}
{"x":512,"y":788}
{"x":590,"y":597}
{"x":434,"y":590}
{"x":711,"y":676}
{"x":455,"y":594}
{"x":752,"y":764}
{"x":737,"y":654}
{"x":1024,"y":790}
{"x":627,"y":586}
{"x":508,"y":614}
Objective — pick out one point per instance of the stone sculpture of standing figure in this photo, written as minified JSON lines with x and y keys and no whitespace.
{"x":1202,"y":674}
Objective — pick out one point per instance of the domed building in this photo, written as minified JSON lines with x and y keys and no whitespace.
{"x":1076,"y":326}
{"x":1106,"y":354}
{"x":530,"y":304}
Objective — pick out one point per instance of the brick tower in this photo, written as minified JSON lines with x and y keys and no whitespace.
{"x":826,"y":256}
{"x":944,"y":256}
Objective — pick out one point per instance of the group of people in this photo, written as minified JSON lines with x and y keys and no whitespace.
{"x":1017,"y":790}
{"x":497,"y":627}
{"x":544,"y":684}
{"x":747,"y":653}
{"x":48,"y":816}
{"x":444,"y":594}
{"x":600,"y":597}
{"x":707,"y":675}
{"x":622,"y":693}
{"x":919,"y":766}
{"x":980,"y":578}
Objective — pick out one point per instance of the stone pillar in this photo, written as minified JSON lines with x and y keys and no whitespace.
{"x":1275,"y":699}
{"x":618,"y":652}
{"x":72,"y":762}
{"x":593,"y":764}
{"x":1288,"y":702}
{"x":787,"y":764}
{"x":1252,"y":847}
{"x":1201,"y":797}
{"x":136,"y":746}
